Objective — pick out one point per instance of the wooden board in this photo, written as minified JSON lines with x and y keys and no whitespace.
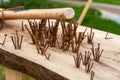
{"x":61,"y":65}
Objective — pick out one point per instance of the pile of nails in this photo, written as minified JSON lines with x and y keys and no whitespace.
{"x":44,"y":34}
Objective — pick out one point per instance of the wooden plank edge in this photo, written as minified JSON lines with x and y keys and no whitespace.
{"x":20,"y":64}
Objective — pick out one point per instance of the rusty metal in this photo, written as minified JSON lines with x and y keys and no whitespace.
{"x":90,"y":36}
{"x":92,"y":75}
{"x":45,"y":47}
{"x":81,"y":37}
{"x":78,"y":39}
{"x":37,"y":47}
{"x":5,"y":36}
{"x":39,"y":35}
{"x":54,"y":32}
{"x":20,"y":43}
{"x":97,"y":52}
{"x":22,"y":26}
{"x":86,"y":58}
{"x":13,"y":42}
{"x":77,"y":59}
{"x":68,"y":33}
{"x":75,"y":33}
{"x":88,"y":67}
{"x":17,"y":41}
{"x":42,"y":49}
{"x":31,"y":35}
{"x":72,"y":45}
{"x":47,"y":56}
{"x":44,"y":37}
{"x":106,"y":37}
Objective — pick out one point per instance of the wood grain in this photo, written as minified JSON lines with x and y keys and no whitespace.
{"x":20,"y":64}
{"x":61,"y":64}
{"x":15,"y":75}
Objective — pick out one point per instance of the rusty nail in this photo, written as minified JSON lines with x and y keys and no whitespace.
{"x":92,"y":75}
{"x":30,"y":34}
{"x":21,"y":42}
{"x":88,"y":67}
{"x":37,"y":49}
{"x":13,"y":42}
{"x":47,"y":57}
{"x":106,"y":37}
{"x":5,"y":35}
{"x":90,"y":37}
{"x":86,"y":58}
{"x":96,"y":52}
{"x":77,"y":60}
{"x":17,"y":38}
{"x":22,"y":26}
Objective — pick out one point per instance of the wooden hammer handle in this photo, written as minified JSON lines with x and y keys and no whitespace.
{"x":58,"y":13}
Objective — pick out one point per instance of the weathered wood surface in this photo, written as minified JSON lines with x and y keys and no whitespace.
{"x":61,"y":64}
{"x":20,"y":64}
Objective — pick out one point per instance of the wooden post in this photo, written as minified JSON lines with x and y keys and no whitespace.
{"x":28,"y":67}
{"x":82,"y":16}
{"x":15,"y":75}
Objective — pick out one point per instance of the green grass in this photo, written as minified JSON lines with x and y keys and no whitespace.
{"x":2,"y":73}
{"x":115,"y":2}
{"x":112,"y":27}
{"x":92,"y":19}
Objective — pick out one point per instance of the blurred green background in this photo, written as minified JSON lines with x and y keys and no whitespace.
{"x":115,"y":2}
{"x":92,"y":19}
